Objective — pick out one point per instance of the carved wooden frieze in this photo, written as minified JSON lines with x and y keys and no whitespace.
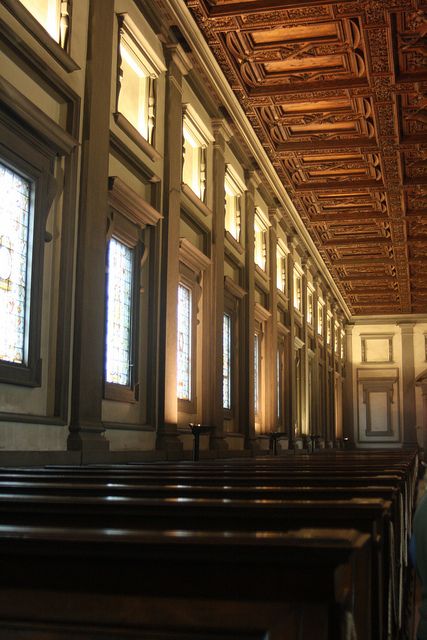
{"x":337,"y":94}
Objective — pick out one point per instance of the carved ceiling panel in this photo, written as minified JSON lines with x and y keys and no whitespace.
{"x":337,"y":93}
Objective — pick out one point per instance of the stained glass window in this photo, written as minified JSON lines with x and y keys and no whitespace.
{"x":226,"y":361}
{"x":15,"y":257}
{"x":256,"y":373}
{"x":119,"y":313}
{"x":184,"y":343}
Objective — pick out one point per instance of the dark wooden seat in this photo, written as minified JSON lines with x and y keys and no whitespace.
{"x":301,"y":585}
{"x":281,"y":494}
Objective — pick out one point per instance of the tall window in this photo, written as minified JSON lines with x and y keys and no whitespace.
{"x":226,"y":361}
{"x":320,"y":307}
{"x":329,"y":329}
{"x":120,"y":285}
{"x":15,"y":262}
{"x":139,"y":66}
{"x":297,"y":290}
{"x":257,"y":364}
{"x":310,"y":306}
{"x":196,"y":137}
{"x":280,"y":269}
{"x":234,"y":189}
{"x":260,"y":233}
{"x":184,"y":381}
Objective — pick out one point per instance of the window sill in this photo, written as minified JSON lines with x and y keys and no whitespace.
{"x":34,"y":27}
{"x":128,"y":128}
{"x":119,"y":393}
{"x":234,"y":243}
{"x":20,"y":375}
{"x":188,"y":192}
{"x":262,"y":274}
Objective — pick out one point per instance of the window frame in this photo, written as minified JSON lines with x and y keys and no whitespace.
{"x":129,"y":235}
{"x":187,"y":280}
{"x":297,"y":301}
{"x":228,"y":411}
{"x":154,"y":65}
{"x":310,"y":305}
{"x":202,"y":136}
{"x":58,"y":49}
{"x":131,"y":218}
{"x":262,"y":222}
{"x":233,"y":297}
{"x":234,"y":187}
{"x":320,"y":328}
{"x":34,"y":163}
{"x":282,"y":253}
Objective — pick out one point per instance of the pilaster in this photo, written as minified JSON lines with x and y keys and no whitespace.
{"x":222,"y":134}
{"x":408,"y":383}
{"x":271,"y":351}
{"x":86,"y":428}
{"x":167,"y":436}
{"x":348,"y":396}
{"x":292,"y":399}
{"x":247,"y":379}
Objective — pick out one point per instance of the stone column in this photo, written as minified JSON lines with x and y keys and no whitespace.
{"x":304,"y":350}
{"x":271,"y":338}
{"x":349,"y":397}
{"x":292,"y":349}
{"x":167,"y":436}
{"x":222,"y":134}
{"x":408,"y":383}
{"x":330,"y":435}
{"x":315,"y":378}
{"x":86,"y":429}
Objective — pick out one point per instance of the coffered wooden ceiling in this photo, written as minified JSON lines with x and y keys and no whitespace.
{"x":337,"y":93}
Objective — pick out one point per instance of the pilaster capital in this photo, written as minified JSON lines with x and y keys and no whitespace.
{"x":176,"y":54}
{"x":406,"y":328}
{"x":348,"y":328}
{"x":253,"y":178}
{"x":221,"y":129}
{"x":274,"y":217}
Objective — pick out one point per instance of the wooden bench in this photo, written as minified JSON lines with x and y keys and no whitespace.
{"x":119,"y":583}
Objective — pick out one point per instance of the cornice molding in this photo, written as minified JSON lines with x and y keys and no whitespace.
{"x":131,"y":204}
{"x":195,"y":259}
{"x":58,"y":139}
{"x":233,"y":288}
{"x":179,"y":57}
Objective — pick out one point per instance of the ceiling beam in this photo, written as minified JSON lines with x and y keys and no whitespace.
{"x":239,"y":8}
{"x":355,"y":241}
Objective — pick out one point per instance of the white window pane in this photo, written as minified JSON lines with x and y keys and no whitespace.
{"x":119,"y":313}
{"x":191,"y":167}
{"x":47,"y":13}
{"x":184,"y":343}
{"x":133,"y":96}
{"x":15,"y":256}
{"x":226,"y":361}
